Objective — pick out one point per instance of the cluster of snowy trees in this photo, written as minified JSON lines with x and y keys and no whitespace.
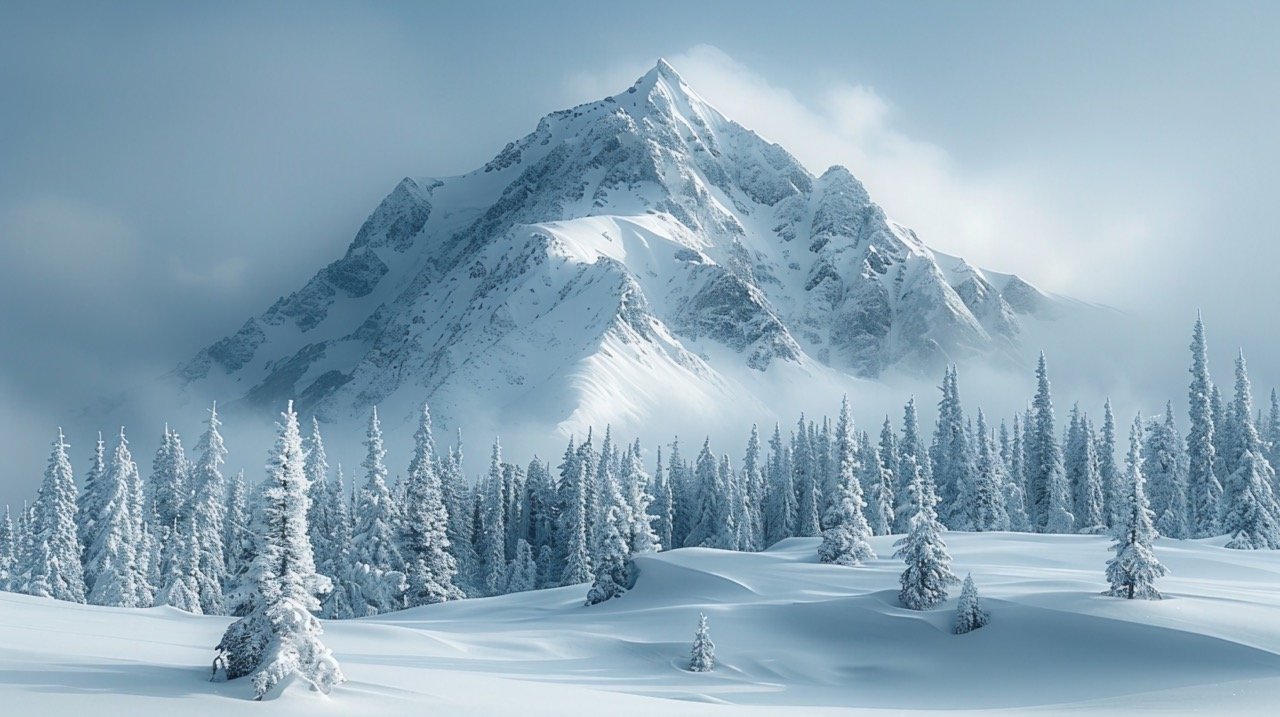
{"x":184,"y":535}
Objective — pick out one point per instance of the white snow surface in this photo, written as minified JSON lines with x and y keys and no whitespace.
{"x":792,"y":637}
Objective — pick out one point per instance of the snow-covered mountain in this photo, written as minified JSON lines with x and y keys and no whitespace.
{"x":636,"y":257}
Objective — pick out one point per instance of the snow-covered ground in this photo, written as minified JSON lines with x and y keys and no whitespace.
{"x":792,"y":637}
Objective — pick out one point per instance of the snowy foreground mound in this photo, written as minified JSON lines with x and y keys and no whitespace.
{"x":792,"y":637}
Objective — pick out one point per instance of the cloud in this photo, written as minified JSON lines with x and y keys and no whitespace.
{"x":64,"y":242}
{"x":1006,"y":218}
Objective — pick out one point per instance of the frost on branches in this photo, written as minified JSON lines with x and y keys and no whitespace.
{"x":1134,"y":569}
{"x":279,"y":637}
{"x":703,"y":657}
{"x":928,"y":573}
{"x":969,"y":613}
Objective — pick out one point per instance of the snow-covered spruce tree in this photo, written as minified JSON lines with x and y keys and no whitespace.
{"x":983,"y":494}
{"x":611,"y":554}
{"x":8,"y":544}
{"x":1163,"y":469}
{"x":663,"y":508}
{"x":208,"y":518}
{"x":703,"y":654}
{"x":430,"y":568}
{"x":953,"y":456}
{"x":1017,"y":459}
{"x":912,"y":457}
{"x":878,"y":482}
{"x":713,"y":520}
{"x":1204,"y":491}
{"x":740,"y":509}
{"x":491,"y":529}
{"x":1134,"y":569}
{"x":375,"y":548}
{"x":573,"y":519}
{"x":166,"y":493}
{"x":1081,"y":466}
{"x":928,"y":573}
{"x":338,"y":565}
{"x":780,"y":501}
{"x":119,"y":576}
{"x":806,"y":484}
{"x":522,"y":572}
{"x":969,"y":613}
{"x":237,"y":542}
{"x":753,"y":480}
{"x":279,"y":637}
{"x":1238,"y":428}
{"x":181,"y":588}
{"x":52,"y":567}
{"x":457,"y":501}
{"x":1251,"y":515}
{"x":889,"y":462}
{"x":641,"y":537}
{"x":845,"y":542}
{"x":1113,"y":489}
{"x":1271,"y":438}
{"x":90,"y":500}
{"x":681,"y":509}
{"x":1047,"y":492}
{"x":320,"y":519}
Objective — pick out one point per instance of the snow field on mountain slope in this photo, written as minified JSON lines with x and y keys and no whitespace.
{"x":792,"y":637}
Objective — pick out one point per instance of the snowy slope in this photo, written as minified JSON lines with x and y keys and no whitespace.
{"x":638,"y":252}
{"x":792,"y":637}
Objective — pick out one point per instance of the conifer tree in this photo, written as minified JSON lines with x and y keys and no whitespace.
{"x":182,"y":580}
{"x":279,"y":637}
{"x":928,"y":573}
{"x":953,"y":456}
{"x":890,"y":462}
{"x":91,"y":498}
{"x":983,"y":494}
{"x":52,"y":567}
{"x":491,"y":535}
{"x":207,"y":521}
{"x":780,"y":510}
{"x":1084,"y":476}
{"x":640,"y":535}
{"x":753,"y":480}
{"x":1164,"y":471}
{"x":337,"y":562}
{"x":609,"y":559}
{"x":1134,"y":569}
{"x":237,"y":543}
{"x":1047,"y":492}
{"x":969,"y":613}
{"x":119,"y":575}
{"x":912,"y":457}
{"x":713,"y":521}
{"x":522,"y":573}
{"x":1113,"y":490}
{"x":804,"y":469}
{"x":166,"y":489}
{"x":430,"y":568}
{"x":845,"y":542}
{"x":374,"y":542}
{"x":573,"y":519}
{"x":663,"y":508}
{"x":1015,"y":504}
{"x":1204,"y":491}
{"x":878,"y":481}
{"x":703,"y":657}
{"x":8,"y":545}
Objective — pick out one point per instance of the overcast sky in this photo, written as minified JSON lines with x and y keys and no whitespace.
{"x":167,"y":171}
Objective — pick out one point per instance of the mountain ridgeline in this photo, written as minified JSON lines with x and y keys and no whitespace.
{"x":638,"y":250}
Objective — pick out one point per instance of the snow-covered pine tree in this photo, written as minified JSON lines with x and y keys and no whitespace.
{"x":522,"y":572}
{"x":166,"y":491}
{"x":279,"y":637}
{"x":1113,"y":490}
{"x":91,"y":498}
{"x":969,"y":613}
{"x":845,"y":542}
{"x":983,"y":494}
{"x":320,"y":518}
{"x":890,"y":462}
{"x":1271,"y":439}
{"x":52,"y":566}
{"x":804,"y":468}
{"x":713,"y":519}
{"x":573,"y":519}
{"x":678,"y":476}
{"x":928,"y":572}
{"x":1163,"y":469}
{"x":703,"y":657}
{"x":457,"y":503}
{"x":491,"y":530}
{"x":611,"y":553}
{"x":8,"y":548}
{"x":753,"y":480}
{"x":637,"y":494}
{"x":119,"y":576}
{"x":1238,"y":428}
{"x":1134,"y":569}
{"x":1015,"y":504}
{"x":237,"y":542}
{"x":1083,"y":475}
{"x":663,"y":508}
{"x":953,"y":456}
{"x":739,"y":534}
{"x":182,"y":584}
{"x":430,"y":568}
{"x":1251,"y":515}
{"x":207,"y":520}
{"x":1048,"y":495}
{"x":912,"y":457}
{"x":878,"y":482}
{"x":375,"y":545}
{"x":780,"y":501}
{"x":1204,"y":490}
{"x":337,"y":563}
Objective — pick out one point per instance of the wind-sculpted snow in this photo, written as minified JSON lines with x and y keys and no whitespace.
{"x":792,"y":636}
{"x":646,"y":218}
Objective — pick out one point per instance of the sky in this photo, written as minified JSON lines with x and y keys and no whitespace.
{"x":168,"y":170}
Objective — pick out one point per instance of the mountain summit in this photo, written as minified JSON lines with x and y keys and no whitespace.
{"x":633,"y":255}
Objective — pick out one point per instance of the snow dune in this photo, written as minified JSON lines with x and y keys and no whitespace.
{"x":792,"y":637}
